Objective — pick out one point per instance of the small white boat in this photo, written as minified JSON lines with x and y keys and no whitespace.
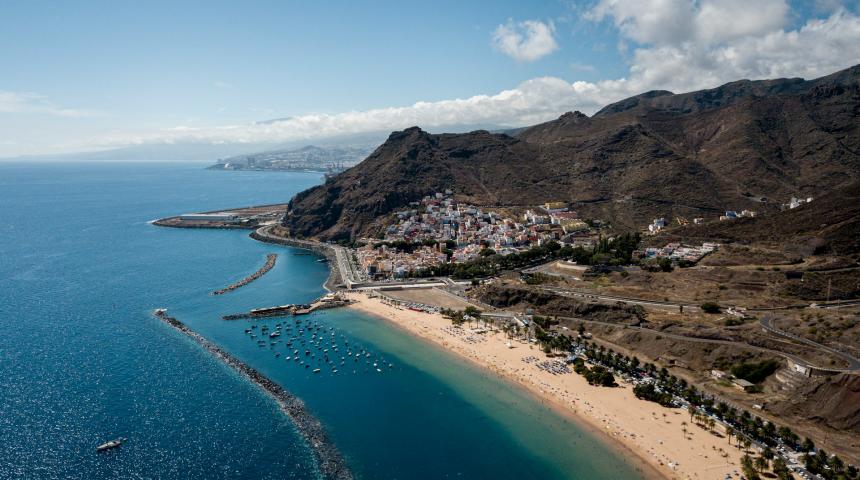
{"x":110,"y":445}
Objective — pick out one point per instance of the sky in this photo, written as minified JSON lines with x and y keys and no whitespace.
{"x":90,"y":75}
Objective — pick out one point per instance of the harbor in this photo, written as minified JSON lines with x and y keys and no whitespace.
{"x":329,"y":460}
{"x":270,"y":263}
{"x":316,"y":347}
{"x":243,"y":218}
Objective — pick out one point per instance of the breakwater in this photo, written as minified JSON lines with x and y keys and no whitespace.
{"x":270,"y":262}
{"x":329,"y":300}
{"x":329,"y":459}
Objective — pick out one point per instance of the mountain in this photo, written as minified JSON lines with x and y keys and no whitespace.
{"x":744,"y":145}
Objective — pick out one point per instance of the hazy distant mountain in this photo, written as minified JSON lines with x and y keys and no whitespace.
{"x":195,"y":152}
{"x":309,"y":157}
{"x":652,"y":155}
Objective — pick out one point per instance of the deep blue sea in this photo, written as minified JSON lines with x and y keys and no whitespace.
{"x":83,"y":361}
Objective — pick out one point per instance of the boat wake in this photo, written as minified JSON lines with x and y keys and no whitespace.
{"x":329,"y":459}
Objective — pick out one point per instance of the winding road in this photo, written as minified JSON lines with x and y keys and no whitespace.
{"x":766,"y":323}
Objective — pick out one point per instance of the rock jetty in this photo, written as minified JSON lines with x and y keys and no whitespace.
{"x":270,"y":262}
{"x":329,"y":460}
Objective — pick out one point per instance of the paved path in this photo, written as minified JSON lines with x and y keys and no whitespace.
{"x":616,"y":298}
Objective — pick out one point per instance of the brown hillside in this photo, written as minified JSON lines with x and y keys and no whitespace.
{"x":657,"y":154}
{"x":830,"y":224}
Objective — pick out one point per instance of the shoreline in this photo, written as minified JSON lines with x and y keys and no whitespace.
{"x":649,"y":436}
{"x":334,"y":278}
{"x":329,"y":460}
{"x":644,"y":444}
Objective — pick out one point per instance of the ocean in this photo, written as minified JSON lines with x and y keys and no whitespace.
{"x":82,"y":360}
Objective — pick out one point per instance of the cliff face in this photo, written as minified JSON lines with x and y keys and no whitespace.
{"x":656,"y":154}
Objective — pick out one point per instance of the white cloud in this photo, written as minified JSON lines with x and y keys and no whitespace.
{"x":672,"y":22}
{"x":28,"y":102}
{"x":647,"y":21}
{"x":722,"y":20}
{"x":532,"y":101}
{"x":221,"y":84}
{"x":818,"y":47}
{"x":525,"y":41}
{"x":708,"y":53}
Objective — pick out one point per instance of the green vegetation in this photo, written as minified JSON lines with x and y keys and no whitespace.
{"x":536,"y":278}
{"x":710,"y":307}
{"x":829,"y":467}
{"x":755,"y":372}
{"x":749,"y":469}
{"x":663,"y":387}
{"x":658,"y":265}
{"x":780,"y":469}
{"x":597,"y":375}
{"x":407,"y":247}
{"x":647,"y":391}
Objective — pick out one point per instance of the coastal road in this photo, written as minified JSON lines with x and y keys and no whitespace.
{"x":766,"y":323}
{"x":852,"y":365}
{"x":675,"y":336}
{"x":615,"y":298}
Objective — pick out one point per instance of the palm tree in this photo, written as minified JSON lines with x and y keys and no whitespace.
{"x":729,"y":432}
{"x":761,"y":463}
{"x":692,"y":411}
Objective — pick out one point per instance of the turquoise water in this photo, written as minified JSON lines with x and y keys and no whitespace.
{"x":82,"y":360}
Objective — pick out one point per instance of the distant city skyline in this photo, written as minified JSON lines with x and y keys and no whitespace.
{"x":82,"y":76}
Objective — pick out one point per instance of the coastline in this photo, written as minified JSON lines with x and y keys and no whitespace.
{"x":334,"y":276}
{"x":648,"y":435}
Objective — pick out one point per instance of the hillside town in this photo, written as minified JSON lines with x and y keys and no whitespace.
{"x":439,"y":229}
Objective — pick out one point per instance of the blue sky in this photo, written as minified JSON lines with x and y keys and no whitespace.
{"x":87,"y":75}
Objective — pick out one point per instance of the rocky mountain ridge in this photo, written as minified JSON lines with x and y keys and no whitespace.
{"x":744,"y":145}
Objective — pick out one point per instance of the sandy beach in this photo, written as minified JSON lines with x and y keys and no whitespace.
{"x":654,"y":434}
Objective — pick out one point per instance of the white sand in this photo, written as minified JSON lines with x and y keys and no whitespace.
{"x":651,"y":432}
